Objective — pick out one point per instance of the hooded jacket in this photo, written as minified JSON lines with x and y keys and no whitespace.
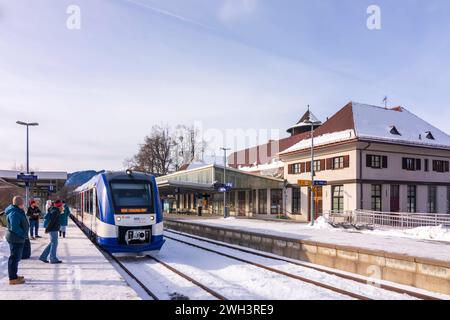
{"x":18,"y":225}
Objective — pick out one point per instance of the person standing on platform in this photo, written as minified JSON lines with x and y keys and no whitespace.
{"x":64,"y":220}
{"x":33,"y":214}
{"x":48,"y":205}
{"x":16,"y":235}
{"x":52,"y":225}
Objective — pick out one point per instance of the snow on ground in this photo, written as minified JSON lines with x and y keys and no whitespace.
{"x":234,"y":279}
{"x":438,"y":233}
{"x":85,"y":273}
{"x":326,"y":234}
{"x":4,"y":254}
{"x":349,"y":285}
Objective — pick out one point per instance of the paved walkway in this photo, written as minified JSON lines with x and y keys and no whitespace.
{"x":85,"y":274}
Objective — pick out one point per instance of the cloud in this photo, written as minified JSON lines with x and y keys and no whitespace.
{"x":237,"y":9}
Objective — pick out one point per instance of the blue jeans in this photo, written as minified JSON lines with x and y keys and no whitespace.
{"x":51,"y":248}
{"x":34,"y":226}
{"x":14,"y":258}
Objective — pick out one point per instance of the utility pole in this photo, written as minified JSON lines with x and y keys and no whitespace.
{"x":225,"y":213}
{"x":313,"y":123}
{"x":27,"y":183}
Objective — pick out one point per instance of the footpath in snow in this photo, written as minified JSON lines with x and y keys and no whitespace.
{"x":401,"y":242}
{"x":85,"y":274}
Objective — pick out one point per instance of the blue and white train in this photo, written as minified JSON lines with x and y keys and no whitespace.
{"x":122,"y":212}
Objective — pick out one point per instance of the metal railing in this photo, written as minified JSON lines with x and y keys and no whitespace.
{"x":399,"y":220}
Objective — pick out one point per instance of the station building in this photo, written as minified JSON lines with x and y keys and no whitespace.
{"x":47,"y":183}
{"x":372,"y":158}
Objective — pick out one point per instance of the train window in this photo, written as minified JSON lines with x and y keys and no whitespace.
{"x":97,"y":211}
{"x":132,"y":196}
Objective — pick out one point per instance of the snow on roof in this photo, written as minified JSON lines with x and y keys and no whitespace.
{"x":376,"y":123}
{"x":323,"y":139}
{"x":397,"y":126}
{"x":273,"y":165}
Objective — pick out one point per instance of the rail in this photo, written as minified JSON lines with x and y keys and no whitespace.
{"x":397,"y":220}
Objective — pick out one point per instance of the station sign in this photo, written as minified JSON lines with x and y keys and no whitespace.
{"x":51,"y":189}
{"x":304,"y":183}
{"x":27,"y":177}
{"x":318,"y":183}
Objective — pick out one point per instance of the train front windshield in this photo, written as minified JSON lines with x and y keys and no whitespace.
{"x":132,"y":197}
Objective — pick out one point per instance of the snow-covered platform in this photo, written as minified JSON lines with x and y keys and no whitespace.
{"x":85,"y":274}
{"x":415,"y":262}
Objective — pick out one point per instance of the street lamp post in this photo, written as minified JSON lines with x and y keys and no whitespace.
{"x":225,"y":215}
{"x":313,"y":123}
{"x":28,"y":125}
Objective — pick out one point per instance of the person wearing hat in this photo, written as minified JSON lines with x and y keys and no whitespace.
{"x":52,"y":226}
{"x":16,"y":235}
{"x":33,"y":214}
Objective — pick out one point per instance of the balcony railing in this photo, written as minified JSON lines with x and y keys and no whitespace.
{"x":389,"y":219}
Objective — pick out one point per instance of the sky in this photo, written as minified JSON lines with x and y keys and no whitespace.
{"x":227,"y":66}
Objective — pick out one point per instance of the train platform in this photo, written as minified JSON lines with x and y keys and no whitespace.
{"x":85,"y":274}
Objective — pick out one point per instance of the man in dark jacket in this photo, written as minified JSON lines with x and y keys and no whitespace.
{"x":16,"y":235}
{"x":52,"y":226}
{"x":33,"y":214}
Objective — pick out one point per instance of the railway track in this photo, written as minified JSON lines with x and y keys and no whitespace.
{"x":147,"y":290}
{"x":299,"y":263}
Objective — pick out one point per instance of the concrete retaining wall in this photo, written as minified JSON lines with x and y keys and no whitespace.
{"x":422,"y":273}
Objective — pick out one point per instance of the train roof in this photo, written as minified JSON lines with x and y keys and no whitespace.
{"x":111,"y":175}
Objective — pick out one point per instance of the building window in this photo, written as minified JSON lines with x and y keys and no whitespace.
{"x":337,"y":199}
{"x":276,"y":201}
{"x":262,"y":201}
{"x":376,"y":197}
{"x":338,"y":163}
{"x":317,"y":165}
{"x":412,"y":164}
{"x":412,"y":198}
{"x":296,"y":168}
{"x":376,"y":161}
{"x":432,"y":196}
{"x":296,"y":201}
{"x":440,"y":166}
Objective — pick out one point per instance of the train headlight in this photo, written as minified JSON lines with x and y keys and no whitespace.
{"x":118,"y":218}
{"x":152,"y":218}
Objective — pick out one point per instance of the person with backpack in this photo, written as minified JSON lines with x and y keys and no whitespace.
{"x":16,"y":235}
{"x":52,"y":225}
{"x":64,"y":220}
{"x":33,"y":214}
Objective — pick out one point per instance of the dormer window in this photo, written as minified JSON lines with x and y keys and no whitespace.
{"x":394,"y":131}
{"x":429,"y":135}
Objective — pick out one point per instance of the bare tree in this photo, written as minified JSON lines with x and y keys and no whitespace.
{"x":154,"y":155}
{"x":165,"y":150}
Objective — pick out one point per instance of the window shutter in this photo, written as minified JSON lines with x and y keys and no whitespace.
{"x":346,"y":161}
{"x":405,"y":163}
{"x":368,"y":161}
{"x":385,"y":162}
{"x":322,"y":164}
{"x":330,"y":164}
{"x":308,"y":167}
{"x":290,"y":167}
{"x":418,"y":164}
{"x":302,"y":167}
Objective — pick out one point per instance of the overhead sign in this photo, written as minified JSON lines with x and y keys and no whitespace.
{"x":27,"y":177}
{"x":304,"y":183}
{"x":51,"y":188}
{"x":319,"y":183}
